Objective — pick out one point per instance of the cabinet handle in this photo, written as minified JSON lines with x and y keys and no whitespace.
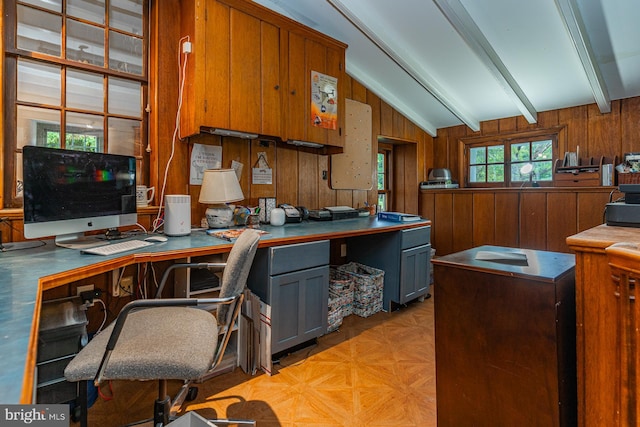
{"x":293,"y":92}
{"x":276,"y":87}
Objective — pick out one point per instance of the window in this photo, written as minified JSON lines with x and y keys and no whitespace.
{"x":510,"y":161}
{"x":76,"y":78}
{"x":384,"y":184}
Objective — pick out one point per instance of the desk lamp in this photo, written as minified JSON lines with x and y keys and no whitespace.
{"x":528,"y":171}
{"x":219,"y":187}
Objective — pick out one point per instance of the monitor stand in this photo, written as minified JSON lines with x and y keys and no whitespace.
{"x":79,"y":241}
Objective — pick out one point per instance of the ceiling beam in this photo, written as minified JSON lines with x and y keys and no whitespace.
{"x":464,"y":24}
{"x":420,"y":76}
{"x":575,"y":25}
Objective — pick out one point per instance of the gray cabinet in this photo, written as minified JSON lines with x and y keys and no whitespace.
{"x":294,"y":281}
{"x":405,"y":257}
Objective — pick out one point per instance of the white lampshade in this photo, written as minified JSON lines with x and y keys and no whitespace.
{"x":220,"y":186}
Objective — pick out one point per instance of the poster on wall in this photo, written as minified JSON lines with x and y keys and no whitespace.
{"x":203,"y":157}
{"x":324,"y":100}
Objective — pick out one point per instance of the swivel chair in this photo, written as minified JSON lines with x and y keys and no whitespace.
{"x":163,"y":339}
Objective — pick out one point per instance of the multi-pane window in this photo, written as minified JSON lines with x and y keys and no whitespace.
{"x":384,"y":185}
{"x":80,"y":77}
{"x":511,"y":162}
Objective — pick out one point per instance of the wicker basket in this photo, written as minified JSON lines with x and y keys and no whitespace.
{"x":341,"y":284}
{"x":334,"y":315}
{"x":628,"y":178}
{"x":368,"y":288}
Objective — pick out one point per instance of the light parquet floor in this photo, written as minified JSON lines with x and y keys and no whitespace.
{"x":375,"y":371}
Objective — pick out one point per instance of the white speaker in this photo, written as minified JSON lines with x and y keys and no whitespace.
{"x":177,"y":215}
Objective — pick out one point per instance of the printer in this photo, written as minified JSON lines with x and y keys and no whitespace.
{"x":626,"y":212}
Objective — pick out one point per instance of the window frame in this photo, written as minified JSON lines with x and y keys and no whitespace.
{"x":556,"y":134}
{"x":11,"y":56}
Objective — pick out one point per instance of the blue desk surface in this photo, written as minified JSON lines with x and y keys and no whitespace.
{"x":24,"y":272}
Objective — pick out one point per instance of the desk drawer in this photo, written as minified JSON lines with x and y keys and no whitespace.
{"x":415,"y":237}
{"x":300,"y":256}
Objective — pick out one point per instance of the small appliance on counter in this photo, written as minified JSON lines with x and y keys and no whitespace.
{"x":439,"y":178}
{"x":333,"y":213}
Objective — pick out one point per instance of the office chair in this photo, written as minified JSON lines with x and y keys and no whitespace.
{"x":163,"y":339}
{"x":624,"y":261}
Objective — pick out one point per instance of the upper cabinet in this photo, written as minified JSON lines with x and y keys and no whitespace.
{"x":250,"y":70}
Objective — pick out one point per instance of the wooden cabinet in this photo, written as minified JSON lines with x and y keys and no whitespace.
{"x":598,"y":348}
{"x":250,"y":71}
{"x":305,"y":56}
{"x":505,"y":339}
{"x":405,"y":258}
{"x":233,"y":75}
{"x":294,"y":281}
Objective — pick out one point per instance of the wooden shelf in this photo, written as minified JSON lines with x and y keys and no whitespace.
{"x":588,"y":172}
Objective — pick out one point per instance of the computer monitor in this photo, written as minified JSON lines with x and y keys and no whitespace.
{"x":67,"y":193}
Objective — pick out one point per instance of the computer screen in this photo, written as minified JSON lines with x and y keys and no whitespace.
{"x":67,"y":193}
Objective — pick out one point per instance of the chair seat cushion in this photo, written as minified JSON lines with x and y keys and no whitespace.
{"x":153,"y":345}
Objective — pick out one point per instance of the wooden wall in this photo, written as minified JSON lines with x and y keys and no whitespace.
{"x":597,"y":134}
{"x":528,"y":218}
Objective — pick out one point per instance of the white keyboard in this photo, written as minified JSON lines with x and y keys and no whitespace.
{"x":116,"y":248}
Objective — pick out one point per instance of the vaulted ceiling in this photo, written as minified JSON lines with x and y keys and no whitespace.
{"x":443,"y":63}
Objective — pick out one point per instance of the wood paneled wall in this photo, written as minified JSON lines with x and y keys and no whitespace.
{"x":532,"y":218}
{"x":597,"y":134}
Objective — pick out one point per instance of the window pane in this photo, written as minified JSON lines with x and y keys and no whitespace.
{"x":495,"y":154}
{"x":126,"y":15}
{"x":544,"y":170}
{"x":84,"y":132}
{"x":478,"y":174}
{"x":517,"y":174}
{"x":125,"y":97}
{"x":84,"y":91}
{"x":89,"y":10}
{"x":477,"y":155}
{"x":124,"y":137}
{"x":520,"y":152}
{"x":542,"y":150}
{"x":125,"y":53}
{"x":381,"y":174}
{"x":85,"y":43}
{"x":495,"y":173}
{"x":38,"y":82}
{"x":53,"y":5}
{"x":29,"y":126}
{"x":39,"y":31}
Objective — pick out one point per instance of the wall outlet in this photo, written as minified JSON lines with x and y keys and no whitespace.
{"x":84,"y":288}
{"x":115,"y":286}
{"x":343,"y":250}
{"x":126,"y":285}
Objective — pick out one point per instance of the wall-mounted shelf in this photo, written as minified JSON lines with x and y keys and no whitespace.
{"x":588,"y":172}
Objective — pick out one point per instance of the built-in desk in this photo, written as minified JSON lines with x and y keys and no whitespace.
{"x":25,"y":274}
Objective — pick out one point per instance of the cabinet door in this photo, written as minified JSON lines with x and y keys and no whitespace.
{"x":414,"y":272}
{"x":298,"y":307}
{"x":306,"y":55}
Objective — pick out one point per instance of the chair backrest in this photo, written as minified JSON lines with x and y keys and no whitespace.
{"x":236,"y":272}
{"x":624,"y":260}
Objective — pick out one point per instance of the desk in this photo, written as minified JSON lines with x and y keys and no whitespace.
{"x":25,"y":274}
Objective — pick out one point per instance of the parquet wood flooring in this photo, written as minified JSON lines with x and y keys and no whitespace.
{"x":375,"y":371}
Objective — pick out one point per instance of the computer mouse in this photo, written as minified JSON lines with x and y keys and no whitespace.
{"x":156,"y":238}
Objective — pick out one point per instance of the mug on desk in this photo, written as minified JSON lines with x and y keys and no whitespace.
{"x":142,"y":195}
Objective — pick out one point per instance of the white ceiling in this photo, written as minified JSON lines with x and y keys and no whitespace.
{"x":443,"y":63}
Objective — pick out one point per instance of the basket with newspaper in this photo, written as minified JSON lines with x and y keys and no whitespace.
{"x":368,"y":287}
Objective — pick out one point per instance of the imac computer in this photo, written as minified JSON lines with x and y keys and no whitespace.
{"x":67,"y":193}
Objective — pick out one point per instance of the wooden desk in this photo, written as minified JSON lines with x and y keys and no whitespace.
{"x":25,"y":274}
{"x":596,"y":326}
{"x":505,"y":334}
